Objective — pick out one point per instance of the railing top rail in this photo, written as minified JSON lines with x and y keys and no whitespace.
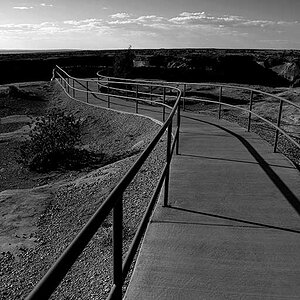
{"x":57,"y":272}
{"x":233,"y":87}
{"x":124,"y":97}
{"x":119,"y":80}
{"x":212,"y":84}
{"x":154,"y":83}
{"x":253,"y":113}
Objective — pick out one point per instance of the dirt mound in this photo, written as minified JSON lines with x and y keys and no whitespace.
{"x":118,"y":136}
{"x":288,"y":70}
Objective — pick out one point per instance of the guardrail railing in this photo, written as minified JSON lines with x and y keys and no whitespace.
{"x":160,"y":94}
{"x":249,"y":110}
{"x":73,"y":87}
{"x":185,"y":86}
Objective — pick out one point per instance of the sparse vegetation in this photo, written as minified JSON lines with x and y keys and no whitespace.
{"x":53,"y":143}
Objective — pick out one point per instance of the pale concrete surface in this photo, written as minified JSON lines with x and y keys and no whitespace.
{"x":232,"y":229}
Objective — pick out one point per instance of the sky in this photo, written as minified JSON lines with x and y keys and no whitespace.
{"x":116,"y":24}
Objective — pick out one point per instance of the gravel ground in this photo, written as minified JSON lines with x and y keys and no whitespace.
{"x":75,"y":199}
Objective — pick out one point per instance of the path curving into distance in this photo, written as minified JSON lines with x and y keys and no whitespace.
{"x":231,"y":230}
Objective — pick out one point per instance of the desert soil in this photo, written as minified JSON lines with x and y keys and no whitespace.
{"x":42,"y":213}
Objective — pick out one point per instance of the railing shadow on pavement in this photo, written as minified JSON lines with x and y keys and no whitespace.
{"x":227,"y":218}
{"x":278,"y":182}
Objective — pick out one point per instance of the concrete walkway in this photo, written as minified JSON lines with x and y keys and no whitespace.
{"x":231,"y":230}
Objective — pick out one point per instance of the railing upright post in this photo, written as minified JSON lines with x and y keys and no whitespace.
{"x":220,"y":101}
{"x":68,"y":85}
{"x":250,"y":108}
{"x":168,"y":160}
{"x":73,"y":85}
{"x":108,"y":96}
{"x":151,"y":89}
{"x":117,"y":246}
{"x":178,"y":127}
{"x":278,"y":125}
{"x":136,"y":91}
{"x":98,"y":80}
{"x":87,"y":92}
{"x":164,"y":101}
{"x":136,"y":106}
{"x":183,"y":98}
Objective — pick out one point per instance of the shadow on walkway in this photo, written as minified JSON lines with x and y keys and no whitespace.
{"x":255,"y":224}
{"x":282,"y":187}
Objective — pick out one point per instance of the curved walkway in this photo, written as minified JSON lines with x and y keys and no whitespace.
{"x":231,"y":230}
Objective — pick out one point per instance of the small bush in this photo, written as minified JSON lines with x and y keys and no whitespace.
{"x":53,"y":143}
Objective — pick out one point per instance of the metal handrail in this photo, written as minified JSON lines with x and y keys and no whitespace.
{"x":204,"y":84}
{"x":126,"y":90}
{"x":87,"y":91}
{"x":113,"y":202}
{"x":221,"y":86}
{"x":54,"y":276}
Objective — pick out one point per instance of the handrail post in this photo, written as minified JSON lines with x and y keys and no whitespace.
{"x":220,"y":101}
{"x":117,"y":246}
{"x":164,"y":101}
{"x":168,"y":160}
{"x":136,"y":106}
{"x":98,"y":85}
{"x":108,"y":92}
{"x":73,"y":85}
{"x":151,"y":88}
{"x":53,"y":74}
{"x":87,"y":93}
{"x":68,"y":86}
{"x":278,"y":125}
{"x":136,"y":91}
{"x":183,"y":98}
{"x":250,"y":108}
{"x":178,"y":127}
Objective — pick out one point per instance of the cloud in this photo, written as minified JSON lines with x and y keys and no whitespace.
{"x":184,"y":29}
{"x":46,"y":5}
{"x":185,"y":21}
{"x":225,"y":21}
{"x":120,"y":16}
{"x":144,"y":19}
{"x":31,"y":7}
{"x":22,"y":7}
{"x":81,"y":22}
{"x":24,"y":27}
